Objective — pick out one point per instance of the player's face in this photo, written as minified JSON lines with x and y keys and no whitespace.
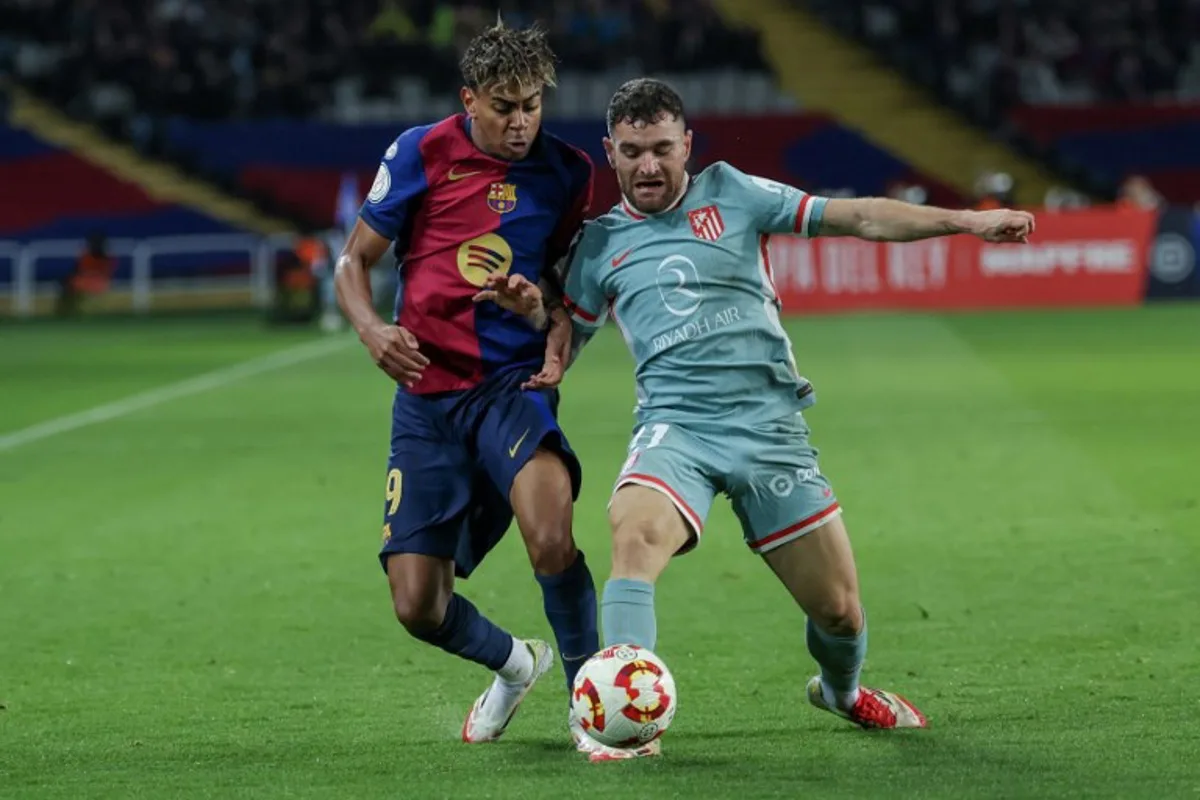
{"x":650,"y":161}
{"x":504,"y":122}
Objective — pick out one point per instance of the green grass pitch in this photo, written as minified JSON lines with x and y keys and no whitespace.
{"x":191,"y":606}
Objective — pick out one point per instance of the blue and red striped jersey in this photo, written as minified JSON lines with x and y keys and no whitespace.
{"x":457,"y":215}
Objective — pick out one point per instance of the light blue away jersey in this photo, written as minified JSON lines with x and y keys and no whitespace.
{"x":691,"y":290}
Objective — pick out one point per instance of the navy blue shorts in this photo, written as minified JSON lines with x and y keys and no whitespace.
{"x":452,"y":463}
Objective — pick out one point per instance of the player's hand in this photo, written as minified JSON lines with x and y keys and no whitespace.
{"x":396,"y":351}
{"x":558,"y":352}
{"x":514,"y":293}
{"x":1001,"y":225}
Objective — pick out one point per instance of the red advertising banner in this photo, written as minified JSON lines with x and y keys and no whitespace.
{"x":1080,"y":258}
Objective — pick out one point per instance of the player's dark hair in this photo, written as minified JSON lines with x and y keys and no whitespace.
{"x":507,"y":58}
{"x":644,"y":101}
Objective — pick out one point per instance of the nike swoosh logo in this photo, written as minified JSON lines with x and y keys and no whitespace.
{"x":619,"y":260}
{"x":512,"y":451}
{"x":458,"y":176}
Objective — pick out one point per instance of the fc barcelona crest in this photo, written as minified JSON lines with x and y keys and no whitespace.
{"x":707,"y":223}
{"x":502,"y":197}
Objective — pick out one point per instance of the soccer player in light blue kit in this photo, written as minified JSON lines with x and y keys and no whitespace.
{"x":681,"y":265}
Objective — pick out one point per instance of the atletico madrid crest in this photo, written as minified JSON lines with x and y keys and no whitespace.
{"x":707,"y":223}
{"x":502,"y":197}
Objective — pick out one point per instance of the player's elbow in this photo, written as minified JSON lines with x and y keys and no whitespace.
{"x":347,"y":263}
{"x":857,"y":217}
{"x":871,"y":231}
{"x":869,"y":220}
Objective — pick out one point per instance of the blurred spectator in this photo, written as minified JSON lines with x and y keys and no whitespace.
{"x":909,"y":193}
{"x":1137,"y":192}
{"x":993,"y":54}
{"x":1062,"y":198}
{"x":232,"y":58}
{"x":91,"y":275}
{"x":994,"y":190}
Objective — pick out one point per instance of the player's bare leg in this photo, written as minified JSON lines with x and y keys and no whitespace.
{"x":647,"y":532}
{"x":541,"y":500}
{"x":818,"y":570}
{"x":426,"y":605}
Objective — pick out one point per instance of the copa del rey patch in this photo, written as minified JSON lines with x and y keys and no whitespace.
{"x":707,"y":223}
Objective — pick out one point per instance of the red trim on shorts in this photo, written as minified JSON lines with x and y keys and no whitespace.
{"x":806,"y":523}
{"x":659,"y":483}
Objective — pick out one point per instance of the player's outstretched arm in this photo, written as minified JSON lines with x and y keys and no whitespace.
{"x":883,"y":220}
{"x":394,"y":349}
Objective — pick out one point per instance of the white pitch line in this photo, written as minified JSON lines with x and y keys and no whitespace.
{"x":173,"y":391}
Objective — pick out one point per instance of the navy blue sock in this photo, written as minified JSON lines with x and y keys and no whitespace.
{"x":468,"y":634}
{"x":570,"y":602}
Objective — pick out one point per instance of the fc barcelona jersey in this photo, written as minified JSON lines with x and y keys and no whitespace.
{"x":458,"y":215}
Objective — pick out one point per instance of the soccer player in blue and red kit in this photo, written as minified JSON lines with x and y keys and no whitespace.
{"x":480,"y":193}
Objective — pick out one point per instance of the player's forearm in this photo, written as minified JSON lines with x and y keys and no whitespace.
{"x":352,"y":281}
{"x":884,"y":220}
{"x":551,"y":299}
{"x":580,"y":336}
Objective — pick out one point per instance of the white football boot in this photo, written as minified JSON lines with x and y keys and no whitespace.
{"x":495,"y":708}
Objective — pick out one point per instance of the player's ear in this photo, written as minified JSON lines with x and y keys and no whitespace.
{"x":687,"y":144}
{"x":468,"y":100}
{"x":608,"y":151}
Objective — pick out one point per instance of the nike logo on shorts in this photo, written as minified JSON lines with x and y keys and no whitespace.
{"x":512,"y":451}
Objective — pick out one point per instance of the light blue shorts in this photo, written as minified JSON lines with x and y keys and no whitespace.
{"x":769,"y":473}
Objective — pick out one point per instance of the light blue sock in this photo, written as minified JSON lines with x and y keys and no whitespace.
{"x":627,"y":613}
{"x":841,"y":659}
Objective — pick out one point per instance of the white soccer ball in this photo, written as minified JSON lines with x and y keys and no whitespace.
{"x":624,"y":696}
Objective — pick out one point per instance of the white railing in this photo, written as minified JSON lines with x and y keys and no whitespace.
{"x":11,"y":252}
{"x":261,"y":251}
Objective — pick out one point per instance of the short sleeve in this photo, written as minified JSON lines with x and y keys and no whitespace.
{"x":777,"y":207}
{"x":583,"y":296}
{"x":398,"y":184}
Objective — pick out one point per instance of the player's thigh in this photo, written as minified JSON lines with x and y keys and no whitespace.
{"x":429,"y":484}
{"x":674,"y":474}
{"x":520,"y":445}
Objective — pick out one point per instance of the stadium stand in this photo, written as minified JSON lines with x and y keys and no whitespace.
{"x":1101,"y":89}
{"x":64,"y":196}
{"x":309,"y":91}
{"x":228,"y":58}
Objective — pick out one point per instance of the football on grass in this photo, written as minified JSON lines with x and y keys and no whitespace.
{"x":624,"y":696}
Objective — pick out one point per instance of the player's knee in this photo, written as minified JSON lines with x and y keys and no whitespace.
{"x":551,"y":548}
{"x":839,"y":614}
{"x":420,"y":612}
{"x":644,"y":540}
{"x":541,"y":499}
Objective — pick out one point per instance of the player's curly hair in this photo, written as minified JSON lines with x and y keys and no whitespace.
{"x":645,"y":101}
{"x":506,"y":57}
